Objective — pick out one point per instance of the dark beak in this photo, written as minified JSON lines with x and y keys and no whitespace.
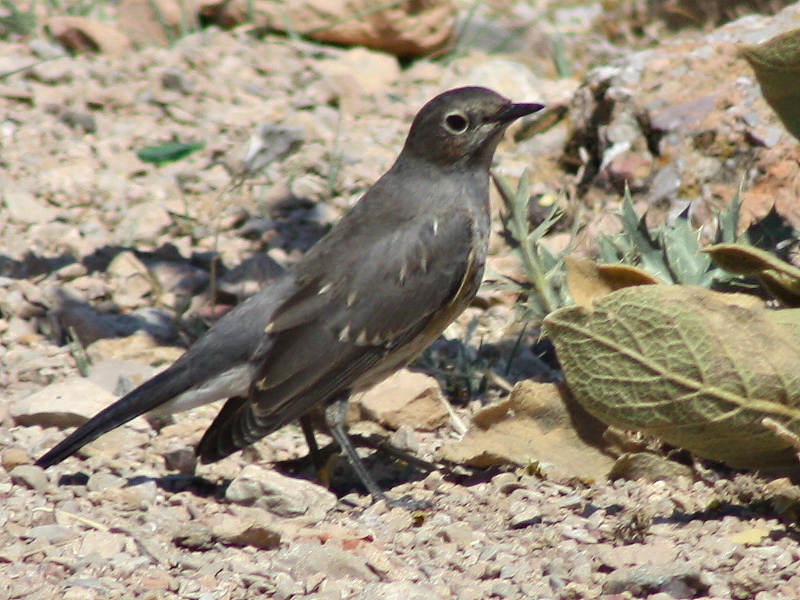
{"x":515,"y":111}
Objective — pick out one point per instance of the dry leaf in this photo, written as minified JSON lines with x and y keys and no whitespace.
{"x":537,"y":422}
{"x":588,"y":281}
{"x":778,"y":277}
{"x":648,"y":466}
{"x":687,"y":365}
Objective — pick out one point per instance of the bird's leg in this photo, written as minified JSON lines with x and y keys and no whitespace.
{"x":321,"y":464}
{"x":335,"y":419}
{"x":313,"y":448}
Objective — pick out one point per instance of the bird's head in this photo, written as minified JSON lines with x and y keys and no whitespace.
{"x":463,"y":126}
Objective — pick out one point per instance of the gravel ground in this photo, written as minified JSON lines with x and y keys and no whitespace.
{"x":85,"y":220}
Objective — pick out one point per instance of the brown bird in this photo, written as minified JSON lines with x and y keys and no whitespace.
{"x":376,"y":290}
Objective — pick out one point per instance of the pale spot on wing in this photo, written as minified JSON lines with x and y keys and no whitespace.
{"x":325,"y":288}
{"x":435,"y":226}
{"x":270,"y":326}
{"x":344,"y":334}
{"x":361,"y":340}
{"x":403,"y":272}
{"x":351,"y":299}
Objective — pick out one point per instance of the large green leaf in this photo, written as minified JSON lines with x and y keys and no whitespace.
{"x":696,"y":368}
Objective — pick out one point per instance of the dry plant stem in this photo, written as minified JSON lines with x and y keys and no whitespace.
{"x":783,"y":433}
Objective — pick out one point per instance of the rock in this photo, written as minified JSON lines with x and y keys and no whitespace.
{"x":280,"y":495}
{"x":113,"y":443}
{"x":147,"y":222}
{"x":402,"y":29}
{"x":175,"y":79}
{"x":648,"y":466}
{"x":31,"y":476}
{"x":510,"y":78}
{"x":405,"y":439}
{"x":677,"y":135}
{"x":72,"y":271}
{"x":524,"y":519}
{"x":305,"y":559}
{"x":82,"y":34}
{"x":51,"y":534}
{"x":133,"y":280}
{"x":13,"y":457}
{"x":102,"y":481}
{"x":405,"y":398}
{"x":152,"y":22}
{"x":108,"y":374}
{"x":104,"y":544}
{"x":194,"y":536}
{"x":23,"y":206}
{"x":20,"y":330}
{"x":74,"y":178}
{"x":679,"y":580}
{"x":183,"y":460}
{"x":139,"y":496}
{"x":368,"y":71}
{"x":398,"y":590}
{"x":253,"y":528}
{"x":457,"y":533}
{"x":79,"y":120}
{"x":67,"y":404}
{"x":139,"y":347}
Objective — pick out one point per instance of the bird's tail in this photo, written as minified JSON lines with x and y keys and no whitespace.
{"x":232,"y":430}
{"x":154,"y":392}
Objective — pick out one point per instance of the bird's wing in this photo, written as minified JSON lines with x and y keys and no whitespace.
{"x":352,"y":319}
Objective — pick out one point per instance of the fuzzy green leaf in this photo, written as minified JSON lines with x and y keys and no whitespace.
{"x":697,"y":369}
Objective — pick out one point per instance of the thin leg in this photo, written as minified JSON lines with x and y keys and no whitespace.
{"x":335,"y":416}
{"x":313,"y":449}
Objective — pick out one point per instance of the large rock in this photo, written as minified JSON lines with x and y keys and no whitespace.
{"x":402,"y":28}
{"x":280,"y":495}
{"x":405,"y":398}
{"x":82,"y":34}
{"x":69,"y":403}
{"x":683,"y":123}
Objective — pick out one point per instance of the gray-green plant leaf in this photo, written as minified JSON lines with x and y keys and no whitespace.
{"x":682,"y":247}
{"x":696,"y":368}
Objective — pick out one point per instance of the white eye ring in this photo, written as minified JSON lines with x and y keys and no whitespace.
{"x":456,"y":122}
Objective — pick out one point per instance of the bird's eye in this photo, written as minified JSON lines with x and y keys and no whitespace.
{"x":456,"y":122}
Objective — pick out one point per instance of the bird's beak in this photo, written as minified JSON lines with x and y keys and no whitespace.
{"x":515,"y":111}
